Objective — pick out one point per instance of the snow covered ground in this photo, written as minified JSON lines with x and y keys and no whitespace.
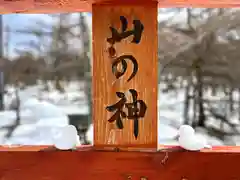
{"x":43,"y":112}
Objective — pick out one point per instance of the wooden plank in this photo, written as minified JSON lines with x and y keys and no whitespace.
{"x":56,"y":6}
{"x":226,"y":149}
{"x":93,"y":165}
{"x":125,"y":133}
{"x":16,"y":6}
{"x":22,"y":148}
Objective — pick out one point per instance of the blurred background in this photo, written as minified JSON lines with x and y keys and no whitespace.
{"x":45,"y":68}
{"x":46,"y":76}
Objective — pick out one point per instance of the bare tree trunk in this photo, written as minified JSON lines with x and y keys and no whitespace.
{"x":18,"y":105}
{"x":7,"y":41}
{"x":194,"y":106}
{"x":201,"y":110}
{"x":12,"y":127}
{"x":88,"y":76}
{"x":239,"y":104}
{"x":231,"y":108}
{"x":56,"y":45}
{"x":2,"y":71}
{"x":186,"y":104}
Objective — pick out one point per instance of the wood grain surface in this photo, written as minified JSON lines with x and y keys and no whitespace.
{"x":105,"y":84}
{"x":56,"y":6}
{"x":89,"y":164}
{"x":215,"y":149}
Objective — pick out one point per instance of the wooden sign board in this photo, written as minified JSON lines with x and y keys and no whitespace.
{"x":125,"y":76}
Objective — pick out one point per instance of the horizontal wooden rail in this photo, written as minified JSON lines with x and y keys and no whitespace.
{"x":54,"y":6}
{"x":226,"y":149}
{"x":88,"y":164}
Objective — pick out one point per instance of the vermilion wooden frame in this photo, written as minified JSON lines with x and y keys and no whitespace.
{"x":53,"y":6}
{"x":87,"y":163}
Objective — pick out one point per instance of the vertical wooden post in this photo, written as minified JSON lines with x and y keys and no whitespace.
{"x":125,"y":46}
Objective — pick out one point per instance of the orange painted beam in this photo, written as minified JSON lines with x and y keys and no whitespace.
{"x":22,"y":148}
{"x":88,"y":164}
{"x":226,"y":149}
{"x":53,"y":6}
